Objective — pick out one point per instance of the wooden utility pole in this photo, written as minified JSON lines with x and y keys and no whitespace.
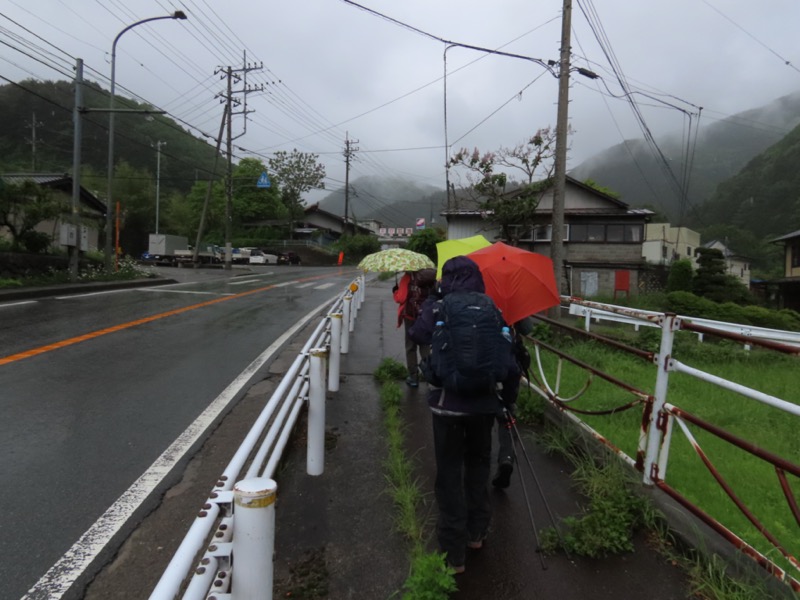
{"x":230,"y":102}
{"x":560,"y":168}
{"x":349,"y":149}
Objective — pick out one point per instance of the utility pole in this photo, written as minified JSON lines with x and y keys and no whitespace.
{"x":75,"y":220}
{"x":560,"y":167}
{"x":230,"y":102}
{"x":33,"y":124}
{"x":349,"y":149}
{"x":158,"y":178}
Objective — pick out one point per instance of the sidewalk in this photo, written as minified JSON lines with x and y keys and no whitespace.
{"x":345,"y":516}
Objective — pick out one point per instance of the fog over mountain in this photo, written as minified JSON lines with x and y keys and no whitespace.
{"x":632,"y":169}
{"x":394,"y":202}
{"x":721,"y":150}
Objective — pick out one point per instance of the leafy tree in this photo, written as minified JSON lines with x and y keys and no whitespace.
{"x":424,"y":241}
{"x":296,"y":172}
{"x":512,"y":210}
{"x":712,"y":282}
{"x":134,"y":189}
{"x":23,"y":206}
{"x":356,"y":247}
{"x":251,"y":203}
{"x":680,"y":277}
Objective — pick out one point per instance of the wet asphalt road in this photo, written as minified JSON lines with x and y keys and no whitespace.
{"x":95,"y":386}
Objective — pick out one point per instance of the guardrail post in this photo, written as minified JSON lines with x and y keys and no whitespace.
{"x":346,"y":301}
{"x":254,"y":539}
{"x":335,"y":359}
{"x":315,"y":447}
{"x":356,"y":302}
{"x":655,"y":437}
{"x":587,"y":319}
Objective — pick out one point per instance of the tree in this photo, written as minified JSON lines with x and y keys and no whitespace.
{"x":356,"y":247}
{"x":512,"y":210}
{"x":424,"y":241}
{"x":250,"y":202}
{"x":680,"y":276}
{"x":23,"y":206}
{"x":712,"y":282}
{"x":296,"y":173}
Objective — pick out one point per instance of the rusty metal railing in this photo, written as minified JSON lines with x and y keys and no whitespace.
{"x":658,"y":418}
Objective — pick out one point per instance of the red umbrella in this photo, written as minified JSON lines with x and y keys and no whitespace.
{"x":521,"y":283}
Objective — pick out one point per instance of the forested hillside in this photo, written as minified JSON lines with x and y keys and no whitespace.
{"x":36,"y":134}
{"x":722,"y":149}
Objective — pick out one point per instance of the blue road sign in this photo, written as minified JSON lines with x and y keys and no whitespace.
{"x":263,"y":181}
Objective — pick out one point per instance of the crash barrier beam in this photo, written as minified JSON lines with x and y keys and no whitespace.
{"x":265,"y":443}
{"x":659,"y":416}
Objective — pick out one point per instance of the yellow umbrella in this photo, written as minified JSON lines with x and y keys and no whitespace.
{"x":461,"y":247}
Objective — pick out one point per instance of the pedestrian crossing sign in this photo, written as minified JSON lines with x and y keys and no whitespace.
{"x":263,"y":181}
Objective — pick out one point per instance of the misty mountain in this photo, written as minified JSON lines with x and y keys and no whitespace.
{"x":394,"y":202}
{"x":721,"y":150}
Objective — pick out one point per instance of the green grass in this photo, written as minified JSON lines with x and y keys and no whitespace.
{"x":430,"y":578}
{"x":753,"y":480}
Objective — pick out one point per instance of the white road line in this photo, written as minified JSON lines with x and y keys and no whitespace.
{"x":186,"y":292}
{"x":285,"y":283}
{"x":324,"y":286}
{"x":18,"y":303}
{"x":62,"y":575}
{"x":96,"y":293}
{"x":244,"y":282}
{"x":306,"y":284}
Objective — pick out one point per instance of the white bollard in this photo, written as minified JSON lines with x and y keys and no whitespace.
{"x":335,"y":360}
{"x":315,"y":446}
{"x":346,"y":323}
{"x":253,"y":539}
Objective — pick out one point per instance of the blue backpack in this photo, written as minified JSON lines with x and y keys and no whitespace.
{"x":469,"y":353}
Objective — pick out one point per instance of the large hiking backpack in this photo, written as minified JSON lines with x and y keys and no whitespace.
{"x":469,"y":353}
{"x":420,"y":285}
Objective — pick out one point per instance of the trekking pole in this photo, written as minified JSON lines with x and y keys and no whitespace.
{"x":513,"y":423}
{"x":510,"y":421}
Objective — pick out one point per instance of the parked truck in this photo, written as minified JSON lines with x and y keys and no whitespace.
{"x":174,"y":250}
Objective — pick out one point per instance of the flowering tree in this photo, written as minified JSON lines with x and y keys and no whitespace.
{"x":511,"y":203}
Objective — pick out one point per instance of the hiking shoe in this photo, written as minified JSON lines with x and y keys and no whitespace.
{"x":503,"y":477}
{"x":475,"y":542}
{"x":412,"y":381}
{"x":457,"y":569}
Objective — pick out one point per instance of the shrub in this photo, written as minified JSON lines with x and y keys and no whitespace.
{"x":680,"y":277}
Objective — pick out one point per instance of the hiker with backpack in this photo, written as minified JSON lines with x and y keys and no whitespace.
{"x":469,"y":358}
{"x":410,"y":293}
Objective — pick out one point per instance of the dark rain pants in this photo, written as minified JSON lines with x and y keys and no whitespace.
{"x":463,"y":448}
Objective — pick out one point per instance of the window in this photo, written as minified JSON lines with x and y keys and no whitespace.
{"x":542,"y":233}
{"x":688,"y":250}
{"x":615,"y":233}
{"x":612,"y":233}
{"x":523,"y":234}
{"x":794,"y":250}
{"x":633,"y":233}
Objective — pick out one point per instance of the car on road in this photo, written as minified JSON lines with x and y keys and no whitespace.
{"x":257,"y":257}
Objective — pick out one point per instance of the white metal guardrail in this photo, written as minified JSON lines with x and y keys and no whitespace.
{"x":238,"y":518}
{"x":659,"y":416}
{"x":604,"y":312}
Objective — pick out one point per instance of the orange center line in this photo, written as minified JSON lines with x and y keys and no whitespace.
{"x":122,"y":326}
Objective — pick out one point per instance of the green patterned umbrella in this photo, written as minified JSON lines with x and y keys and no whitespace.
{"x":394,"y":260}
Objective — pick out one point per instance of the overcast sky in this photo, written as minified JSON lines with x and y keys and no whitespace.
{"x":332,"y":69}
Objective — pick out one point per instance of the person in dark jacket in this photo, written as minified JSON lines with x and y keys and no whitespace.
{"x":462,"y":434}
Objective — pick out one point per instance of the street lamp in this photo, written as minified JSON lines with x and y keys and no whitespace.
{"x":178,"y":14}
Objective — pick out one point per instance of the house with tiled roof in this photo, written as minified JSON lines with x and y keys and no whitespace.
{"x":789,"y":284}
{"x":602,"y":236}
{"x":91,"y":210}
